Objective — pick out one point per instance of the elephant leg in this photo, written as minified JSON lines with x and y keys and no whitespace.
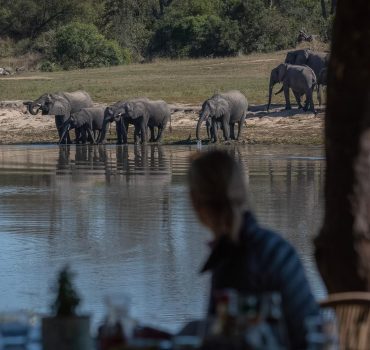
{"x":319,"y":95}
{"x":83,"y":137}
{"x":240,"y":126}
{"x":143,"y":131}
{"x":308,"y":105}
{"x":298,"y":99}
{"x":92,"y":136}
{"x":124,"y":131}
{"x":208,"y":128}
{"x":136,"y":134}
{"x":152,"y":136}
{"x":232,"y":133}
{"x":59,"y":121}
{"x":119,"y":132}
{"x":160,"y":133}
{"x":226,"y":129}
{"x":287,"y":98}
{"x":214,"y":128}
{"x":311,"y":106}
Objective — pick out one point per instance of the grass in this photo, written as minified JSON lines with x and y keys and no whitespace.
{"x":175,"y":81}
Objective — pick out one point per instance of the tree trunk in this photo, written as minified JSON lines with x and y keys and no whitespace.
{"x":323,"y":9}
{"x":342,"y":245}
{"x":333,"y":6}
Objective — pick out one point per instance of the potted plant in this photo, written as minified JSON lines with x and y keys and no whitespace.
{"x":65,"y":330}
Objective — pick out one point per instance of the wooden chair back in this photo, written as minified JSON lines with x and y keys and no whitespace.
{"x":352,"y":310}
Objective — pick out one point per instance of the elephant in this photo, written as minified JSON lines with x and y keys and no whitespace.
{"x":114,"y":113}
{"x":225,"y":108}
{"x":301,"y":79}
{"x":142,"y":113}
{"x":88,"y":121}
{"x":315,"y":60}
{"x":210,"y":130}
{"x":61,"y":105}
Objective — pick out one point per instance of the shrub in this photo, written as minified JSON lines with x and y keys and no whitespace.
{"x":47,"y":66}
{"x":277,"y":32}
{"x":196,"y":36}
{"x":80,"y":45}
{"x":6,"y":47}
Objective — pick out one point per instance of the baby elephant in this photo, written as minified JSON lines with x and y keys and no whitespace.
{"x":223,"y":110}
{"x":301,"y":79}
{"x":87,"y":122}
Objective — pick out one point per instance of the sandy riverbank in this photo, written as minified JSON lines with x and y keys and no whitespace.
{"x":17,"y":126}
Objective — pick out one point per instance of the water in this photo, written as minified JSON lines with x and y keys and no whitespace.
{"x":121,"y":217}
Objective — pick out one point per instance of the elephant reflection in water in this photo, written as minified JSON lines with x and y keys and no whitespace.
{"x":146,"y":158}
{"x":64,"y":156}
{"x":93,"y":155}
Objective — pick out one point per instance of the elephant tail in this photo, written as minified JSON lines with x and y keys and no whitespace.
{"x":278,"y":92}
{"x":170,"y":128}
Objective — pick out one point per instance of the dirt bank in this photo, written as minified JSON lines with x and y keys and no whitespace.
{"x":278,"y":126}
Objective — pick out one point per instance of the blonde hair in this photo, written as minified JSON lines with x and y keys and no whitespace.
{"x":217,"y":183}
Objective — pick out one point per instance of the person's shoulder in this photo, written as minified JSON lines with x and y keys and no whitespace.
{"x":261,"y":235}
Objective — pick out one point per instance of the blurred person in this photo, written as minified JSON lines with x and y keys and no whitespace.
{"x":244,"y":256}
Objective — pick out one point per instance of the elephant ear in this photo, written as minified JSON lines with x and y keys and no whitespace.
{"x":108,"y":113}
{"x":117,"y":113}
{"x":127,"y":107}
{"x":282,"y":68}
{"x":301,"y":57}
{"x":221,"y":107}
{"x":290,"y":57}
{"x":138,"y":109}
{"x":59,"y":107}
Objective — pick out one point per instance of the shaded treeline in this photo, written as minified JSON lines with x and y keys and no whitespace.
{"x":119,"y":31}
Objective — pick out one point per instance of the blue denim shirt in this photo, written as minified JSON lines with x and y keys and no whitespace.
{"x":262,"y":261}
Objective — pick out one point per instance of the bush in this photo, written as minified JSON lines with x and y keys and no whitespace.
{"x":45,"y":44}
{"x":47,"y":66}
{"x":6,"y":47}
{"x":196,"y":36}
{"x":277,"y":32}
{"x":79,"y":45}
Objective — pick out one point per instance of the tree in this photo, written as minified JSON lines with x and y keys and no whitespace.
{"x":79,"y":45}
{"x":130,"y":22}
{"x":342,"y":247}
{"x":28,"y":18}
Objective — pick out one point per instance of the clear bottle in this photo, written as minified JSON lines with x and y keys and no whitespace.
{"x":117,"y":327}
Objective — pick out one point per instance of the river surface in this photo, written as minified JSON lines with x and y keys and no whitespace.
{"x":120,"y":216}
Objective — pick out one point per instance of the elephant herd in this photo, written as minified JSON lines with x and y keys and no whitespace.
{"x":302,"y":71}
{"x":75,"y":110}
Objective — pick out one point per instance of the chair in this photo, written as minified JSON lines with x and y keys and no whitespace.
{"x":352,"y":311}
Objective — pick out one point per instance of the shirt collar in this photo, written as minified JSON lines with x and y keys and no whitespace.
{"x":224,"y":247}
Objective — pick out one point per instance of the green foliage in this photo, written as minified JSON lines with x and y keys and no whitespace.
{"x":47,"y":66}
{"x":130,"y":22}
{"x":196,"y":36}
{"x":79,"y":45}
{"x":279,"y":32}
{"x":28,"y":18}
{"x":137,"y":29}
{"x":67,"y":300}
{"x":6,"y":47}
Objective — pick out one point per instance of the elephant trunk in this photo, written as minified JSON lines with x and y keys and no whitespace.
{"x":64,"y":133}
{"x":31,"y":107}
{"x":201,"y":119}
{"x":103,"y":132}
